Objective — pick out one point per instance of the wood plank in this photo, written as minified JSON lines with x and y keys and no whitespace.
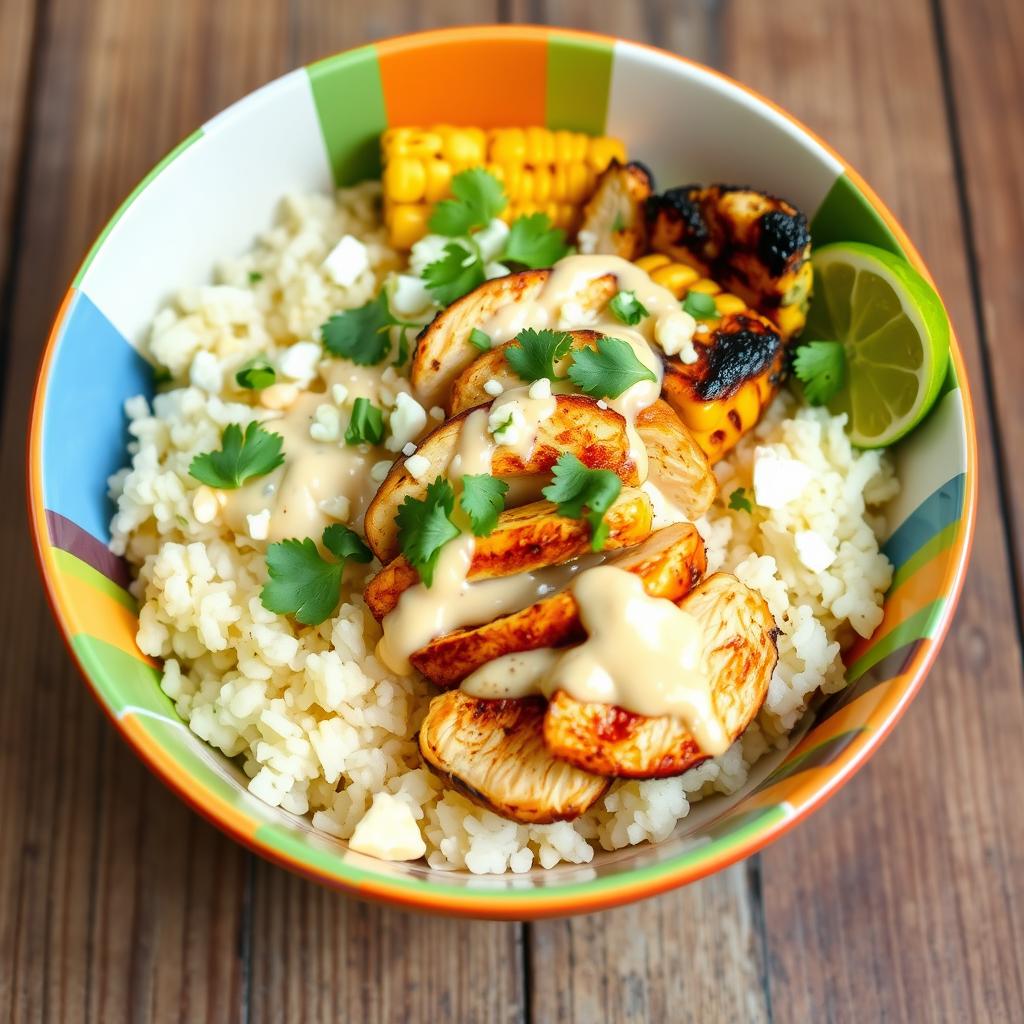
{"x":988,"y":92}
{"x":116,"y":902}
{"x":694,"y":954}
{"x":896,"y":901}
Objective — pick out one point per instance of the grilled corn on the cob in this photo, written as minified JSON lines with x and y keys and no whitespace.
{"x":552,"y":172}
{"x":739,"y":365}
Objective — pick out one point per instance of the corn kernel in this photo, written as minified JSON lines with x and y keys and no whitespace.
{"x":542,"y":184}
{"x":439,"y":176}
{"x":603,"y":151}
{"x":405,"y":180}
{"x":652,"y":262}
{"x":726,"y":303}
{"x":408,"y":223}
{"x":465,"y":147}
{"x":508,"y":146}
{"x":676,"y":277}
{"x":706,"y":286}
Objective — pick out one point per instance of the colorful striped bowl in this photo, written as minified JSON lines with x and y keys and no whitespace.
{"x":318,"y":126}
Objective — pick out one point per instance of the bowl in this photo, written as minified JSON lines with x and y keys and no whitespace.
{"x":318,"y":126}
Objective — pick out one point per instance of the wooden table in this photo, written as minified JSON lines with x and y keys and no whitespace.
{"x":903,"y":899}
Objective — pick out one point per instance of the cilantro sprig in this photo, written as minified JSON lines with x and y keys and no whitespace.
{"x":362,"y":335}
{"x":608,"y":370}
{"x":457,"y":273}
{"x":533,"y":354}
{"x":303,"y":583}
{"x":240,"y":458}
{"x":821,"y":367}
{"x":533,"y":242}
{"x":479,"y":198}
{"x":425,"y":526}
{"x":366,"y":425}
{"x":628,"y":308}
{"x":739,"y":502}
{"x":482,"y":499}
{"x":576,"y":488}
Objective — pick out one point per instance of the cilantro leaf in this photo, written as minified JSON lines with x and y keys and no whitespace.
{"x":255,"y":375}
{"x":619,"y":224}
{"x":255,"y":277}
{"x":240,"y":458}
{"x":739,"y":501}
{"x":459,"y":271}
{"x":534,"y":353}
{"x":576,"y":487}
{"x":533,"y":242}
{"x":700,"y":306}
{"x":425,"y":526}
{"x":366,"y":425}
{"x":482,"y":499}
{"x":360,"y":334}
{"x":821,"y":366}
{"x":305,"y":584}
{"x":480,"y":339}
{"x":628,"y":308}
{"x":479,"y":198}
{"x":609,"y":370}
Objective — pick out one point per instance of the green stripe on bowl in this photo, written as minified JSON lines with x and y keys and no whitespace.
{"x":133,"y":195}
{"x":727,"y":834}
{"x":818,"y":756}
{"x":846,"y":216}
{"x":919,"y":626}
{"x":87,"y":574}
{"x":579,"y":82}
{"x":349,"y":100}
{"x":123,"y":681}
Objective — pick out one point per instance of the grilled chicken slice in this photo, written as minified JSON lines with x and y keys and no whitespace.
{"x":739,"y":657}
{"x":526,"y":538}
{"x":753,"y":244}
{"x":443,"y":348}
{"x":670,"y":562}
{"x":493,"y":751}
{"x":579,"y":425}
{"x":613,"y":219}
{"x":723,"y":394}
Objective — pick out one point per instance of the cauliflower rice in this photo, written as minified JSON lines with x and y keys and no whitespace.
{"x":317,"y":724}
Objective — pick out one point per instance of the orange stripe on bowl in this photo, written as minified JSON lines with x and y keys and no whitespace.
{"x":435,"y":78}
{"x":97,"y":614}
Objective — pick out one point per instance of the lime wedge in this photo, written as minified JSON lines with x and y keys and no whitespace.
{"x":894,"y":332}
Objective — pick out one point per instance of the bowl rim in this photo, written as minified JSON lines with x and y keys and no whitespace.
{"x":572,"y":897}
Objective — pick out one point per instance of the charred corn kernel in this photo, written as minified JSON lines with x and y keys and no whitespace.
{"x":540,"y":170}
{"x":652,"y":261}
{"x":678,"y":278}
{"x":407,"y":223}
{"x":726,"y":303}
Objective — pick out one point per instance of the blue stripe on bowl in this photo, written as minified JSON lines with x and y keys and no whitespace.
{"x":942,"y":507}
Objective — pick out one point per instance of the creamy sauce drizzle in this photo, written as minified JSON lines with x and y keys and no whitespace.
{"x":643,"y":654}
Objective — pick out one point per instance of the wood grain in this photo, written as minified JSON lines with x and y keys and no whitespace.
{"x":892,"y":902}
{"x":984,"y":45}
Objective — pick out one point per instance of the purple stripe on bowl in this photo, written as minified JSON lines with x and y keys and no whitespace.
{"x":70,"y":537}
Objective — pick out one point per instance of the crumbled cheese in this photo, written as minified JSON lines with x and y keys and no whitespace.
{"x":326,"y":425}
{"x":492,"y":270}
{"x":278,"y":396}
{"x":778,"y":480}
{"x":205,"y":505}
{"x":507,"y":423}
{"x":429,"y":249}
{"x":347,"y":261}
{"x":409,"y":295}
{"x":602,"y":404}
{"x":574,"y":315}
{"x":409,"y":449}
{"x":491,"y":239}
{"x":299,"y":361}
{"x":540,"y":388}
{"x":493,"y":387}
{"x":418,"y":466}
{"x":674,"y":333}
{"x":337,"y":507}
{"x":406,"y":421}
{"x":388,"y":831}
{"x":259,"y":524}
{"x":586,"y":241}
{"x":813,"y":550}
{"x":380,"y":470}
{"x":339,"y":393}
{"x":205,"y":372}
{"x":436,"y":412}
{"x":221,"y":303}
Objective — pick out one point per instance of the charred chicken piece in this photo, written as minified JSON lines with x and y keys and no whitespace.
{"x":739,"y":657}
{"x":753,"y":244}
{"x":579,"y":425}
{"x":613,"y":219}
{"x":670,"y":562}
{"x":526,"y":538}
